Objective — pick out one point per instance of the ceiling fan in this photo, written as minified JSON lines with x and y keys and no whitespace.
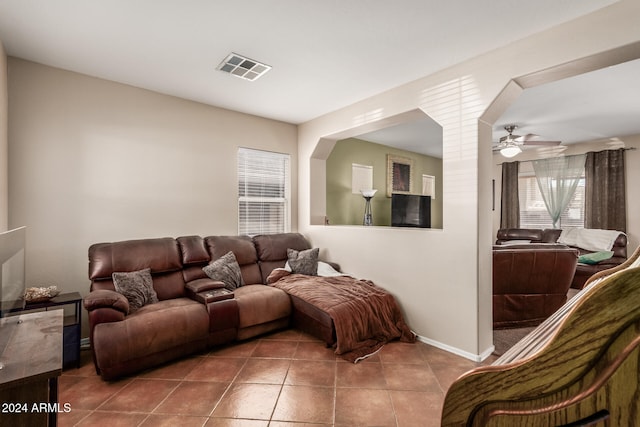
{"x":511,"y":145}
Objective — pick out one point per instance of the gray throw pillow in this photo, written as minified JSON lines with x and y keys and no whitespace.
{"x":137,"y":287}
{"x":227,"y":270}
{"x":303,"y":262}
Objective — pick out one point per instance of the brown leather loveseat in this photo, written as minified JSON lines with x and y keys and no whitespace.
{"x":530,"y":282}
{"x":551,"y":235}
{"x":182,"y":322}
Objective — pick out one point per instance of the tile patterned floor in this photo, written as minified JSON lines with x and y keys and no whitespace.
{"x":286,"y":379}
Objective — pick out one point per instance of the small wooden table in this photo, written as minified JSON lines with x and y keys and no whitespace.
{"x":31,"y":358}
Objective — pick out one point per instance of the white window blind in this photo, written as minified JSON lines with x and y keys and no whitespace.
{"x":533,"y":212}
{"x":361,"y":178}
{"x":263,"y":192}
{"x":429,"y":186}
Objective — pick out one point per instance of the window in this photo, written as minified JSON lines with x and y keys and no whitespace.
{"x":264,"y":203}
{"x":429,"y":186}
{"x":361,"y":178}
{"x":533,"y":212}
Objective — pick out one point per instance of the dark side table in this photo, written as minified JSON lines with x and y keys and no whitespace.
{"x":71,"y":304}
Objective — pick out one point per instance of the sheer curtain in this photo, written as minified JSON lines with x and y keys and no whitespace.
{"x":509,"y":203}
{"x":557,"y":179}
{"x":605,"y":198}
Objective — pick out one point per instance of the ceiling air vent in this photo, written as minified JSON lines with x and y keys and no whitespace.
{"x":243,"y":67}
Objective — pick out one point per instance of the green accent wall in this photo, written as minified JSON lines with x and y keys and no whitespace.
{"x":345,"y":208}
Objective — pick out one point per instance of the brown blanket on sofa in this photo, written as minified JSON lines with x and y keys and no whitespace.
{"x":365,"y":316}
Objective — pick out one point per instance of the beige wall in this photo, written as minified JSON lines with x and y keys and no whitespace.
{"x":4,"y":143}
{"x":443,"y":277}
{"x":93,"y":161}
{"x":632,"y":171}
{"x":346,"y":208}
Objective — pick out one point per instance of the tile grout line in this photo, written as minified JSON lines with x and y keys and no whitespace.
{"x":273,"y":411}
{"x":229,"y":386}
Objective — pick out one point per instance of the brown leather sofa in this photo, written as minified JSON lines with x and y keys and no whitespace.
{"x":530,"y":282}
{"x":181,"y":324}
{"x":548,"y":235}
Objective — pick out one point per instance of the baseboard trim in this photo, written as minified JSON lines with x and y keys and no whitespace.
{"x":473,"y":357}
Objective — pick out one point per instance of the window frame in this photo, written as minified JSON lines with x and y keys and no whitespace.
{"x":246,"y":155}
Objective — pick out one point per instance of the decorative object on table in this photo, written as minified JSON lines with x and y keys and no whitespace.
{"x":399,"y":175}
{"x":40,"y":294}
{"x":368,"y":216}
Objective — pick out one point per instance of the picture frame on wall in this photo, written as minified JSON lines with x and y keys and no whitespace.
{"x":399,"y":175}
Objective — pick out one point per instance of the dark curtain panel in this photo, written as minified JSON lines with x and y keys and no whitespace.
{"x":510,"y":206}
{"x":605,"y":193}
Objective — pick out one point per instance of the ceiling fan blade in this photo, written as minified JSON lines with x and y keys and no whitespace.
{"x":547,"y":143}
{"x":533,"y":139}
{"x":526,"y":137}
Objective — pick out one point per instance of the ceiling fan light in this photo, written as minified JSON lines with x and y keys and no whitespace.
{"x":510,"y":151}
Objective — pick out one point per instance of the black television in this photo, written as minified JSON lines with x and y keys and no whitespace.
{"x":410,"y":210}
{"x":12,"y":270}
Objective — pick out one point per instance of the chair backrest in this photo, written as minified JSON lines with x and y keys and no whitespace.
{"x":580,"y":364}
{"x":244,"y":251}
{"x":530,"y":282}
{"x":161,"y":255}
{"x":272,"y":250}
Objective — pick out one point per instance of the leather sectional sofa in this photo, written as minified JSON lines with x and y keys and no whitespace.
{"x":530,"y":282}
{"x":185,"y":320}
{"x":582,"y":271}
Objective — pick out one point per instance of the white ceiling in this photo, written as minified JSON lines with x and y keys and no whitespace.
{"x":419,"y":136}
{"x":325,"y":54}
{"x":588,"y":107}
{"x":600,"y":105}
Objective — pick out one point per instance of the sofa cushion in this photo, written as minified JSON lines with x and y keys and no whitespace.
{"x":137,"y":287}
{"x":533,"y":235}
{"x":259,"y":304}
{"x":272,"y":250}
{"x":172,"y":327}
{"x":303,"y":262}
{"x":161,"y":255}
{"x":244,"y":251}
{"x":226,"y":270}
{"x":194,"y":257}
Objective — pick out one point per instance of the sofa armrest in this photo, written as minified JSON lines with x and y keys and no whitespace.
{"x":105,"y":298}
{"x":201,"y":285}
{"x":198,"y":286}
{"x":104,"y":315}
